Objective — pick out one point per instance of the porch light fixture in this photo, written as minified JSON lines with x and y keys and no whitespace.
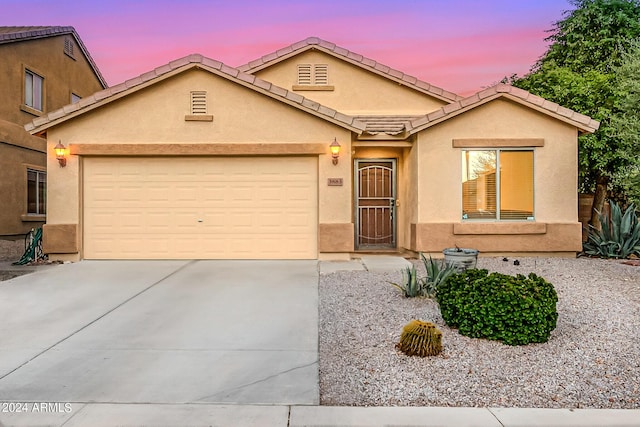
{"x":335,"y":151}
{"x":60,"y":154}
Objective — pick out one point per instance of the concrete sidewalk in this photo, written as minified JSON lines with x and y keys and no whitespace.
{"x":97,"y":415}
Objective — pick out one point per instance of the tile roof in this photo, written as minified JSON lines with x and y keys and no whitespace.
{"x":180,"y":65}
{"x":386,"y":125}
{"x":584,"y":123}
{"x":17,"y":34}
{"x":354,"y":58}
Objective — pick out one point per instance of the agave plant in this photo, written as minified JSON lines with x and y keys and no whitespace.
{"x":619,"y":236}
{"x":411,"y":286}
{"x":437,"y":273}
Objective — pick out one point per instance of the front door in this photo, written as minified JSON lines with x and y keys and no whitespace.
{"x":375,"y":200}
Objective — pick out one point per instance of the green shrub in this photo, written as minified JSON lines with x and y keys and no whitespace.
{"x":619,"y":236}
{"x":515,"y":310}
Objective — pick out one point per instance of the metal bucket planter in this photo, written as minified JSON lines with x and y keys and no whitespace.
{"x":461,"y":259}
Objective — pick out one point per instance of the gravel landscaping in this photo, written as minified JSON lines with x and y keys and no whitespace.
{"x":592,"y":359}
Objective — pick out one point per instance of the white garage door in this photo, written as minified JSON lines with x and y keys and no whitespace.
{"x":200,"y":208}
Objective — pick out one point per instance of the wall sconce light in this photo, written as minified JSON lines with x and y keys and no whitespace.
{"x":60,"y":154}
{"x":335,"y":151}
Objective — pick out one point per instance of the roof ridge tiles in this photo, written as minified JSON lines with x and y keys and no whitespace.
{"x":510,"y":92}
{"x":357,"y":59}
{"x":193,"y":60}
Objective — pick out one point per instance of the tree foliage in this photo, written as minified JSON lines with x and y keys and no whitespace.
{"x":595,"y":35}
{"x":625,"y":125}
{"x":579,"y":71}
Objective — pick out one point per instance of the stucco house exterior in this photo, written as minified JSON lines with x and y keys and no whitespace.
{"x":197,"y":159}
{"x":41,"y":69}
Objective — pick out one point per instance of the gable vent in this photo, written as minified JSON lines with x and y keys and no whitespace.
{"x":198,"y":102}
{"x":321,"y":74}
{"x":68,"y":46}
{"x":304,"y":74}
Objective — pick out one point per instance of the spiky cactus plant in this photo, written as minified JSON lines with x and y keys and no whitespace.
{"x":420,"y":338}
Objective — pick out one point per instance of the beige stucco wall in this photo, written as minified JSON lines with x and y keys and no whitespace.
{"x":356,"y":91}
{"x":555,"y":177}
{"x":157,"y":115}
{"x":555,"y":164}
{"x":62,"y":75}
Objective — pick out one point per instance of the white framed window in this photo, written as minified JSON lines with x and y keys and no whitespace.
{"x":498,"y":184}
{"x":36,"y":192}
{"x":33,"y":90}
{"x":313,"y":74}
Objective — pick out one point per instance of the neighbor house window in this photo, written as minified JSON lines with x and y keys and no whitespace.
{"x":497,"y":184}
{"x":36,"y":192}
{"x":33,"y":85}
{"x":313,"y":74}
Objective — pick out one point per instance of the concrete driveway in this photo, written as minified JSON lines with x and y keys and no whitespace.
{"x":241,"y":332}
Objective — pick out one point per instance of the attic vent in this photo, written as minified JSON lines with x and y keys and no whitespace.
{"x":198,"y":102}
{"x":304,"y":74}
{"x":68,"y":46}
{"x":313,"y":74}
{"x":321,"y":74}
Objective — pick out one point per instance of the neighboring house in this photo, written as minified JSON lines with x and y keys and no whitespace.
{"x":41,"y":70}
{"x":196,"y":159}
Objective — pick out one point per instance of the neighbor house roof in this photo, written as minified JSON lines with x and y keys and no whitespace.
{"x":354,"y":58}
{"x":18,"y":34}
{"x":178,"y":66}
{"x":14,"y":134}
{"x":584,"y":123}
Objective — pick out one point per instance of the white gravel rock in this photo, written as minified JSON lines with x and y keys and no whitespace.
{"x":592,"y":359}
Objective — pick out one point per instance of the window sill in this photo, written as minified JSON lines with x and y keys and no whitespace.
{"x":500,"y":228}
{"x":33,"y":218}
{"x":313,"y":87}
{"x":31,"y":110}
{"x":198,"y":118}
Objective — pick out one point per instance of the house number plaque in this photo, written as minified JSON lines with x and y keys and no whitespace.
{"x":334,"y":181}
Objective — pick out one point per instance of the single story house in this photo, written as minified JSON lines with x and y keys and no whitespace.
{"x":310,"y":152}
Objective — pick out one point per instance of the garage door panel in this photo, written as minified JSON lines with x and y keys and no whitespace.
{"x":257,"y":208}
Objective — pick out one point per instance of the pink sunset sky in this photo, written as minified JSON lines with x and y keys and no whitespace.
{"x":460,"y":45}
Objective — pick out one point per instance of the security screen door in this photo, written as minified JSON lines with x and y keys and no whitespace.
{"x":375,"y":200}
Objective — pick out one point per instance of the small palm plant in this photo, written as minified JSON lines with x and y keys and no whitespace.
{"x":619,"y":236}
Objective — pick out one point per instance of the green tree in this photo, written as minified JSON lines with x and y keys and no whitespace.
{"x":578,"y":71}
{"x":625,"y":123}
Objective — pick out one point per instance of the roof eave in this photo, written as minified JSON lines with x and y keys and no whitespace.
{"x":162,"y":73}
{"x":442,"y":115}
{"x":351,"y":57}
